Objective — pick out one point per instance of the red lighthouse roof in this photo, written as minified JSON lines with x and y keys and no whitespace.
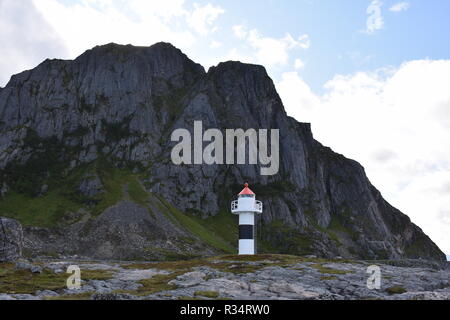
{"x":246,"y":191}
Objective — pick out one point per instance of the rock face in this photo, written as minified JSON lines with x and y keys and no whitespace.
{"x":11,"y":240}
{"x":125,"y":231}
{"x":91,"y":185}
{"x":115,"y":107}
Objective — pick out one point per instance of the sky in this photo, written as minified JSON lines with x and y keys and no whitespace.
{"x":371,"y":76}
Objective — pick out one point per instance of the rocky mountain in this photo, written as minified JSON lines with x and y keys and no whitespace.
{"x":85,"y":165}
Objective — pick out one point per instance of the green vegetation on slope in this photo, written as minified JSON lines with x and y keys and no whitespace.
{"x":59,"y":205}
{"x":43,"y":211}
{"x":193,"y":225}
{"x":51,"y":207}
{"x":224,"y":225}
{"x":285,"y":238}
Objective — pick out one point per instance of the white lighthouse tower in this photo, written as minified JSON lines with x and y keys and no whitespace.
{"x":246,"y":206}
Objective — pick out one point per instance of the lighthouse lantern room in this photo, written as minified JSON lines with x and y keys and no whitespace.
{"x":246,"y":206}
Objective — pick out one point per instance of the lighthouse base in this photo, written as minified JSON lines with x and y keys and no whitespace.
{"x":246,"y":247}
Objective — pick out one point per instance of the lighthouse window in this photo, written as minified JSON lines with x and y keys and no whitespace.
{"x":247,"y":196}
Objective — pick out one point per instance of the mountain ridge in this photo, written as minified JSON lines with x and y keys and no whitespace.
{"x":99,"y":126}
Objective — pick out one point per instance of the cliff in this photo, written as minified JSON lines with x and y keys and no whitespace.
{"x":85,"y":165}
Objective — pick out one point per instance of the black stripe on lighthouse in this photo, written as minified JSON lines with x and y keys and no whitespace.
{"x":246,"y":231}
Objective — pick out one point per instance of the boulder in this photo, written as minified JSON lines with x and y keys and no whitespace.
{"x":11,"y":240}
{"x":28,"y":266}
{"x":91,"y":185}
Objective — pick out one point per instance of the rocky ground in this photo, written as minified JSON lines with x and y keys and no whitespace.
{"x":226,"y":277}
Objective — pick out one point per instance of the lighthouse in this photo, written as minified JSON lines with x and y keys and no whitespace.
{"x":246,"y":206}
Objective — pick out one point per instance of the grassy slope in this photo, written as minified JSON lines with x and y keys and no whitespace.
{"x":50,"y":209}
{"x":43,"y":211}
{"x":204,"y":229}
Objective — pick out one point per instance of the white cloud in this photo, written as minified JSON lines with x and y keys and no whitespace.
{"x":298,"y":98}
{"x":298,"y":64}
{"x":86,"y":24}
{"x":375,"y":20}
{"x":83,"y":24}
{"x":401,"y":6}
{"x":304,"y":41}
{"x":270,"y":51}
{"x":215,"y":44}
{"x":396,"y":123}
{"x":240,"y":31}
{"x":148,"y":9}
{"x":234,"y":54}
{"x":26,"y":38}
{"x":203,"y":17}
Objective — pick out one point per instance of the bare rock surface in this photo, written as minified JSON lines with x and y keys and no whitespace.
{"x":293,"y":278}
{"x":125,"y":231}
{"x":11,"y":240}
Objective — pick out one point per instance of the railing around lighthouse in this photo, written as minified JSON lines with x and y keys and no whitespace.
{"x":234,"y":205}
{"x":258,"y":206}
